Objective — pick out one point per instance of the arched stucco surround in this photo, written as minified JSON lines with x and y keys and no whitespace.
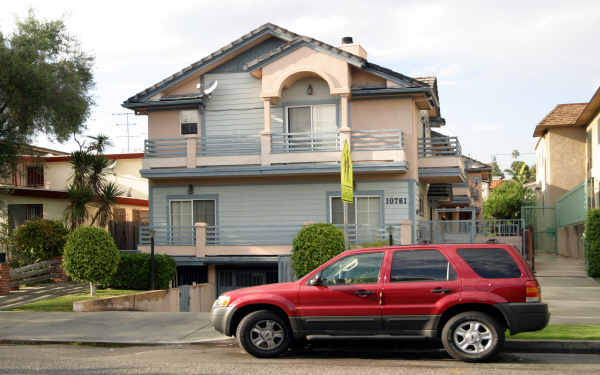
{"x":301,"y":63}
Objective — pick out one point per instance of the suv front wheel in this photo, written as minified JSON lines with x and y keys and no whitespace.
{"x":472,"y":336}
{"x":263,"y":334}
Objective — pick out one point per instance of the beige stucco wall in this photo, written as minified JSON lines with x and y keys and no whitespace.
{"x":566,"y":156}
{"x":594,"y":128}
{"x":165,"y":124}
{"x":283,"y":72}
{"x":53,"y":208}
{"x":397,"y":113}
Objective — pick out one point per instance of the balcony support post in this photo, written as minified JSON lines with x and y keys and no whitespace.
{"x":200,"y":229}
{"x":266,"y":134}
{"x":191,"y":141}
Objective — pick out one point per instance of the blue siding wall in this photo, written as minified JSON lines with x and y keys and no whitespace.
{"x":277,"y":207}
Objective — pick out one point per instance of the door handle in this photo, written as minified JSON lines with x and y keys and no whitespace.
{"x":363,"y":293}
{"x":441,"y":290}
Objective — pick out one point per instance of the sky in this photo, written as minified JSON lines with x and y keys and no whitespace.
{"x":501,"y":65}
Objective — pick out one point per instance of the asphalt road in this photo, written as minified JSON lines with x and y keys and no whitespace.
{"x":229,"y":359}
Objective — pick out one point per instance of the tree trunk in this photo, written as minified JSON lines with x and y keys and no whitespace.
{"x":92,"y":289}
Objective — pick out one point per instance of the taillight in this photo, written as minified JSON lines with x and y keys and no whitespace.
{"x":532,"y":291}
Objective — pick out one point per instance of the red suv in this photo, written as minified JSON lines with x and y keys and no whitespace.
{"x":465,"y":295}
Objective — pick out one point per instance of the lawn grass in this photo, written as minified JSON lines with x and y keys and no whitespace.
{"x":65,"y":303}
{"x":561,"y":332}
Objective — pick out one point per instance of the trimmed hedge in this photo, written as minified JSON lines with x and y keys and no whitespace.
{"x":40,"y":239}
{"x":592,"y":239}
{"x":90,"y":255}
{"x":134,"y":272}
{"x":314,"y":245}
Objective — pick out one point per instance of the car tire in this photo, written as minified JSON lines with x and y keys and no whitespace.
{"x":472,"y":336}
{"x":264,"y":334}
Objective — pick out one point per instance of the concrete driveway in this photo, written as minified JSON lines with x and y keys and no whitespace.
{"x":39,"y":292}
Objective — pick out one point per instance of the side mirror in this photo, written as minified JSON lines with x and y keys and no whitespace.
{"x":315,"y":281}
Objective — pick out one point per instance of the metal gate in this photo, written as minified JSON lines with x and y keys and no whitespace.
{"x":542,"y":221}
{"x":470,"y":231}
{"x":230,"y":279}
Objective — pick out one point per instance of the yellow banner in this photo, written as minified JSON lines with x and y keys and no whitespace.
{"x":346,"y":172}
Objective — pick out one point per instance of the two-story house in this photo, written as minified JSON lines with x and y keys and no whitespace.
{"x":37,"y":188}
{"x":245,"y":144}
{"x":568,"y":172}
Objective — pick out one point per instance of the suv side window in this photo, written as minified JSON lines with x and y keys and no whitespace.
{"x":354,"y":269}
{"x":491,"y":263}
{"x":421,"y":265}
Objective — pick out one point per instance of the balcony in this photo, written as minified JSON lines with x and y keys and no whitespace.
{"x":202,"y":240}
{"x":26,"y":175}
{"x":440,"y":160}
{"x":272,"y":149}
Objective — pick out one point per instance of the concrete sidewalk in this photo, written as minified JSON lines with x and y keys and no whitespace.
{"x":121,"y":327}
{"x":572,"y":296}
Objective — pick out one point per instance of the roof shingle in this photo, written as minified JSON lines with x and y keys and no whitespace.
{"x":561,"y":115}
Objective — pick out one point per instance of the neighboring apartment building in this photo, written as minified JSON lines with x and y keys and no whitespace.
{"x":38,"y":187}
{"x":568,"y":168}
{"x":244,"y":149}
{"x":467,"y":198}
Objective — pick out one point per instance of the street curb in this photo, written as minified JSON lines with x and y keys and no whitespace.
{"x":20,"y":341}
{"x":552,"y":346}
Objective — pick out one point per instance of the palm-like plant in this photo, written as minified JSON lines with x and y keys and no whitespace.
{"x":520,"y":172}
{"x":89,"y":187}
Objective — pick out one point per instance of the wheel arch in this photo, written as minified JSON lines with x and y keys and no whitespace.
{"x":241,"y":312}
{"x":491,"y":310}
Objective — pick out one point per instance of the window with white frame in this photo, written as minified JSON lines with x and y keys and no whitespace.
{"x":189,"y":122}
{"x":185,"y":213}
{"x":316,"y":118}
{"x":364,"y":215}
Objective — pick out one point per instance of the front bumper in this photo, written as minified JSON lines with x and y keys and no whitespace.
{"x":221,"y":319}
{"x":524,"y":317}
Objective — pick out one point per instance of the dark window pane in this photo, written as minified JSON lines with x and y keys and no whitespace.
{"x":491,"y":263}
{"x":421,"y":265}
{"x":189,"y":128}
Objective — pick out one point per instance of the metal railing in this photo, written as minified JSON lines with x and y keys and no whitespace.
{"x":380,"y":139}
{"x":452,"y":231}
{"x":571,"y":207}
{"x":25,"y":174}
{"x":228,"y":145}
{"x":165,"y":147}
{"x":439,"y":146}
{"x":255,"y":234}
{"x":168,"y":235}
{"x":305,"y":142}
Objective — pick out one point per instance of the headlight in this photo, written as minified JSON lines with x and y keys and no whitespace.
{"x":222,"y":301}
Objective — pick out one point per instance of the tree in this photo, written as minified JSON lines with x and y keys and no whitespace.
{"x":506,"y":199}
{"x":91,"y":255}
{"x":45,"y":84}
{"x":89,"y":187}
{"x":314,"y":245}
{"x":521,"y":172}
{"x":39,"y":240}
{"x":495,"y":169}
{"x":516,"y":154}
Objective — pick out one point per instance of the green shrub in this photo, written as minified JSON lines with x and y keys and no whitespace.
{"x":91,"y":255}
{"x":592,"y":239}
{"x":134,"y":272}
{"x":314,"y":245}
{"x":39,"y":240}
{"x":364,"y":245}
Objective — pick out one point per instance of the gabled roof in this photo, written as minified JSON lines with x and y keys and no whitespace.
{"x":561,"y":115}
{"x":266,"y":29}
{"x":474,"y":165}
{"x":405,"y":84}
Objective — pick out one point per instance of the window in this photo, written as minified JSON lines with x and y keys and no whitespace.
{"x":189,"y":122}
{"x":421,"y":265}
{"x":364,"y":215}
{"x":35,"y":175}
{"x":185,"y":213}
{"x":18,"y":214}
{"x":312,"y":118}
{"x":491,"y":263}
{"x":353,"y":269}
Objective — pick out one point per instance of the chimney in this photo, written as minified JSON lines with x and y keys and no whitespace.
{"x":348,"y":45}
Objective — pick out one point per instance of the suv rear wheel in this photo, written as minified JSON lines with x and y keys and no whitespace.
{"x":263,"y":334}
{"x":472,"y":336}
